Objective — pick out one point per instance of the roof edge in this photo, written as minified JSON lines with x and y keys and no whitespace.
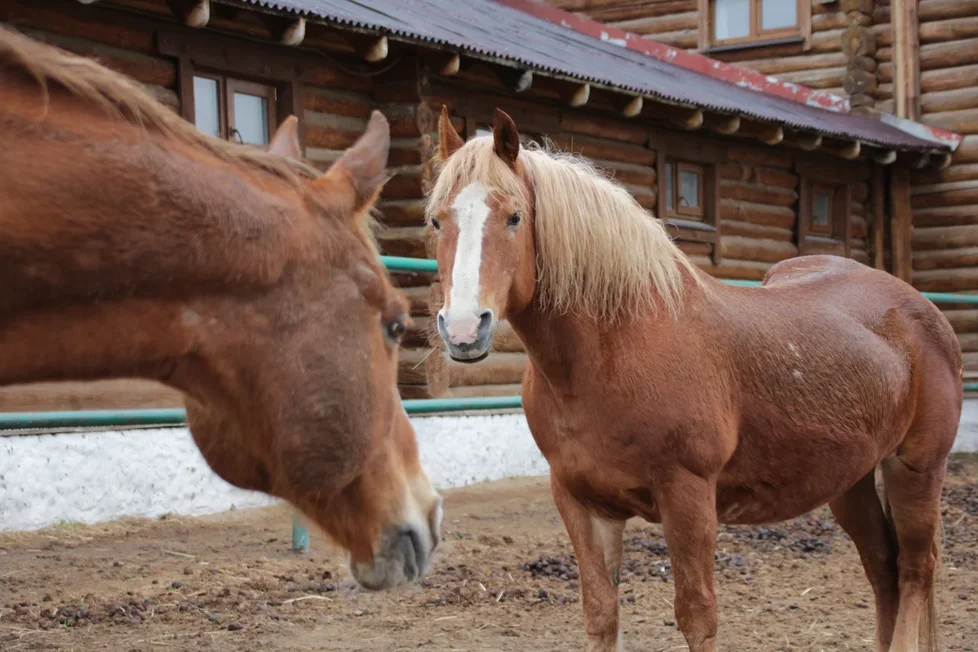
{"x":936,"y":135}
{"x":743,"y":77}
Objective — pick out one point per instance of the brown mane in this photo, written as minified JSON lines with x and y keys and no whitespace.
{"x":125,"y":99}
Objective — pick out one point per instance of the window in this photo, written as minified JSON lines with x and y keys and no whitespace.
{"x":682,"y":186}
{"x":822,"y":205}
{"x":741,"y":22}
{"x":234,"y":109}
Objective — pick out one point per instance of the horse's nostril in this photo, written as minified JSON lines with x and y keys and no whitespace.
{"x":485,"y":322}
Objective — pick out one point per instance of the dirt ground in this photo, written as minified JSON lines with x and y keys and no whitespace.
{"x":504,"y":579}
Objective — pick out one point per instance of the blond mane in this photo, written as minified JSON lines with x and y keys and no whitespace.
{"x":599,"y":253}
{"x":128,"y":101}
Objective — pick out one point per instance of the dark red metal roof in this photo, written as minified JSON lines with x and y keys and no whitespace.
{"x":492,"y":30}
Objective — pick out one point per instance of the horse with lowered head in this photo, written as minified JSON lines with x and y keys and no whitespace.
{"x":659,"y":392}
{"x":131,"y":245}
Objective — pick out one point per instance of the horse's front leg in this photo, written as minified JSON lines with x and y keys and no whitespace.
{"x":597,"y":543}
{"x":687,"y":505}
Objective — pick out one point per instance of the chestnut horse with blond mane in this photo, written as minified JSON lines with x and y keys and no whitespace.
{"x":132,"y":245}
{"x":657,"y":391}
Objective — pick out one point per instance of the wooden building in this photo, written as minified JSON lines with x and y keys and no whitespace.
{"x":749,"y":169}
{"x":914,"y":59}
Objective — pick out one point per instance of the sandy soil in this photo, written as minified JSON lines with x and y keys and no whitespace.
{"x":505,"y":579}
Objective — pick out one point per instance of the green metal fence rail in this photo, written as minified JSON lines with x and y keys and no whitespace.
{"x":300,"y":531}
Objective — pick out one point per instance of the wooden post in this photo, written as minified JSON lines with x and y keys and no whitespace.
{"x":906,"y":51}
{"x":859,"y":46}
{"x":879,"y":215}
{"x":900,"y":222}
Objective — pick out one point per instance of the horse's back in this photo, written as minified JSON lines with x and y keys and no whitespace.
{"x":878,"y":300}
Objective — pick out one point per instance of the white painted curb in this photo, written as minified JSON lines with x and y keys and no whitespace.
{"x":98,"y":476}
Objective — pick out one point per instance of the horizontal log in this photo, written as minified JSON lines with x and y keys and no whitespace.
{"x":945,"y":216}
{"x":407,"y":183}
{"x":776,"y":178}
{"x":859,"y":191}
{"x":421,"y":366}
{"x":939,"y":188}
{"x":497,"y":369}
{"x":968,"y":342}
{"x":762,"y":157}
{"x":420,"y":299}
{"x":626,"y":11}
{"x":128,"y":394}
{"x":601,"y":148}
{"x":658,"y":24}
{"x":337,"y":102}
{"x":794,"y":64}
{"x":928,"y":10}
{"x":963,"y":321}
{"x":858,"y":228}
{"x":758,"y":194}
{"x":860,"y":256}
{"x":945,"y":258}
{"x":820,"y":42}
{"x":628,"y":173}
{"x":945,"y":237}
{"x":949,"y":55}
{"x":695,"y":248}
{"x":402,"y":212}
{"x":817,"y":246}
{"x":967,"y":151}
{"x":946,"y":280}
{"x":946,"y":79}
{"x":408,"y":241}
{"x":771,"y":251}
{"x":952,"y":100}
{"x":141,"y":67}
{"x":514,"y":389}
{"x":743,"y":270}
{"x":598,"y":127}
{"x":505,"y":339}
{"x":330,"y":131}
{"x":968,"y":172}
{"x":938,"y":31}
{"x":964,"y":121}
{"x":100,"y":27}
{"x":402,"y":153}
{"x":644,"y":195}
{"x":762,"y":214}
{"x":967,"y":195}
{"x":751,"y":230}
{"x":685,"y":39}
{"x":817,"y":79}
{"x":422,"y":332}
{"x":735,"y":171}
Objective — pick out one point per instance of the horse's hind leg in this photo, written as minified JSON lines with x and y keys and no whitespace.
{"x":913,"y":478}
{"x":860,"y":514}
{"x":914,"y":497}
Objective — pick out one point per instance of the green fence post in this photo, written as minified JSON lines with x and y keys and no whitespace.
{"x":300,"y":533}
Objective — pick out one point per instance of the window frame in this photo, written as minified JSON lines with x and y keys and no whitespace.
{"x":704,"y":156}
{"x":227,"y":86}
{"x":817,"y":177}
{"x":688,"y":211}
{"x":215,"y":57}
{"x":757,"y":37}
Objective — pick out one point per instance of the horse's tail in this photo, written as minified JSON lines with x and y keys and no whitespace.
{"x":929,"y":629}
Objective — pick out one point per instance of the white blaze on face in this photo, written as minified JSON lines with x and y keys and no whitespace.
{"x":471,"y":212}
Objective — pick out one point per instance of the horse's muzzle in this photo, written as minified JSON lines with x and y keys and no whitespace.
{"x":468,"y":340}
{"x":403,"y":554}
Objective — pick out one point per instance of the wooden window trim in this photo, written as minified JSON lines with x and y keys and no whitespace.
{"x":758,"y":37}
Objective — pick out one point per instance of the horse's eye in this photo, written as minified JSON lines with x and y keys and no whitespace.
{"x":435,"y":223}
{"x":395,"y":330}
{"x":513,"y":220}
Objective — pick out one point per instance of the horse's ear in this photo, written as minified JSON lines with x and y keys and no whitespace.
{"x":353,"y":182}
{"x":448,"y":139}
{"x":285,"y":142}
{"x":505,"y":138}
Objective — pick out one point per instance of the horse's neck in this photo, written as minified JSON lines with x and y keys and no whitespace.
{"x":105,"y":241}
